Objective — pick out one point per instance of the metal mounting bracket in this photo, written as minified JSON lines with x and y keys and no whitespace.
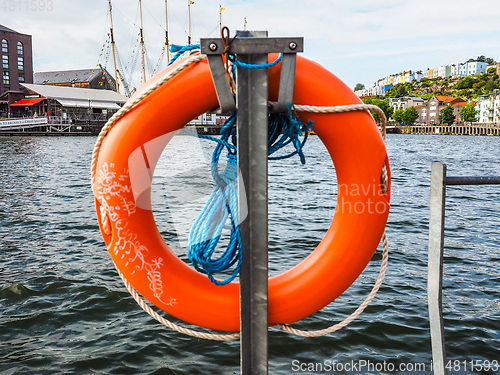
{"x":243,"y":44}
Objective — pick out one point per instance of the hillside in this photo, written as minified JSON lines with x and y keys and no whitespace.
{"x":464,"y":87}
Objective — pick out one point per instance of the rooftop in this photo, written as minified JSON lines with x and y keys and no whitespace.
{"x":76,"y":94}
{"x":66,"y":76}
{"x":3,"y":28}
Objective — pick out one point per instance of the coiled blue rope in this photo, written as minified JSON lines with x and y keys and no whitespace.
{"x":179,"y":50}
{"x":205,"y":234}
{"x":221,"y":205}
{"x":255,"y":66}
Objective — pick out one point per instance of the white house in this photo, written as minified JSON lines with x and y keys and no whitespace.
{"x":462,"y":69}
{"x":405,"y":102}
{"x":488,"y":108}
{"x":476,"y":68}
{"x":441,"y":72}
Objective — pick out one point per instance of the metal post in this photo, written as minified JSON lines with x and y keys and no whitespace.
{"x":251,"y":102}
{"x":435,"y":267}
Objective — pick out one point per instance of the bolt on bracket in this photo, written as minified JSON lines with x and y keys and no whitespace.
{"x":213,"y":48}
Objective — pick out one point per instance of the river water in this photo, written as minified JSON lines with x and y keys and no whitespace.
{"x":63,"y":308}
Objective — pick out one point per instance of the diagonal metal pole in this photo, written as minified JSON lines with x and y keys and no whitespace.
{"x":251,"y":102}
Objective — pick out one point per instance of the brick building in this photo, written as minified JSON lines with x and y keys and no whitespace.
{"x":17,"y":66}
{"x":429,"y":112}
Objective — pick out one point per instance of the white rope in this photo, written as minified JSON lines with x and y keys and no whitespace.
{"x":346,"y":108}
{"x":190,"y":332}
{"x":385,"y":251}
{"x":304,"y":108}
{"x":104,"y":218}
{"x":359,"y":310}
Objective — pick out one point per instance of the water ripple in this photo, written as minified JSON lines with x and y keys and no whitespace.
{"x":63,"y":308}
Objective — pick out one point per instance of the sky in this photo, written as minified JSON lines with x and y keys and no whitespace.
{"x":360,"y":41}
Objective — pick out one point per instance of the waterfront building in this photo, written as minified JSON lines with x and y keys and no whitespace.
{"x":456,"y":111}
{"x":429,"y":112}
{"x":98,"y":78}
{"x":422,"y":113}
{"x":405,"y":102}
{"x":488,"y":108}
{"x":66,"y":104}
{"x":17,"y":66}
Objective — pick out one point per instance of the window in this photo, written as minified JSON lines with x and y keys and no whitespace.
{"x":20,"y":48}
{"x":5,"y":61}
{"x":6,"y":78}
{"x":5,"y":46}
{"x":21,"y":76}
{"x":20,"y":63}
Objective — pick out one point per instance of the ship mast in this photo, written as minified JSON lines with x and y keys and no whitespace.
{"x":221,"y":8}
{"x":166,"y":32}
{"x":142,"y":46}
{"x":113,"y":45}
{"x":189,"y":20}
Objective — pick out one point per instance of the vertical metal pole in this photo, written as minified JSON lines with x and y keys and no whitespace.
{"x":251,"y":101}
{"x":435,"y":267}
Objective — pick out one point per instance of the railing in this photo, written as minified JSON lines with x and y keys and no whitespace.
{"x":439,"y":181}
{"x":22,"y":123}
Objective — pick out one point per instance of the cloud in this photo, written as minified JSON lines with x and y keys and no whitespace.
{"x":361,"y":40}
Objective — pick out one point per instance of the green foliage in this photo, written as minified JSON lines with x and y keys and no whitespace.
{"x":446,"y":115}
{"x":398,"y":115}
{"x":382,"y":104}
{"x":491,"y":84}
{"x":468,"y":112}
{"x":359,"y":86}
{"x":466,"y":83}
{"x":410,"y":116}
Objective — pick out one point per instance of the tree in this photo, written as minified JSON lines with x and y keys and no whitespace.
{"x":468,"y":112}
{"x":446,"y":115}
{"x":410,"y":116}
{"x":382,"y":104}
{"x":359,"y":86}
{"x":466,"y":83}
{"x":398,"y":115}
{"x":491,"y":85}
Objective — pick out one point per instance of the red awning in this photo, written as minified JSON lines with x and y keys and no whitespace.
{"x":27,"y":102}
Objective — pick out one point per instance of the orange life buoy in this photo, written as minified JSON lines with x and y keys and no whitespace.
{"x":122,"y":184}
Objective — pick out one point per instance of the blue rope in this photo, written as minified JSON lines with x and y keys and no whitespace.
{"x":283,"y":129}
{"x":255,"y":66}
{"x":179,"y":50}
{"x":221,"y":205}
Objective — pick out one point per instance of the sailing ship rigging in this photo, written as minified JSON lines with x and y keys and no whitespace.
{"x":139,"y":65}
